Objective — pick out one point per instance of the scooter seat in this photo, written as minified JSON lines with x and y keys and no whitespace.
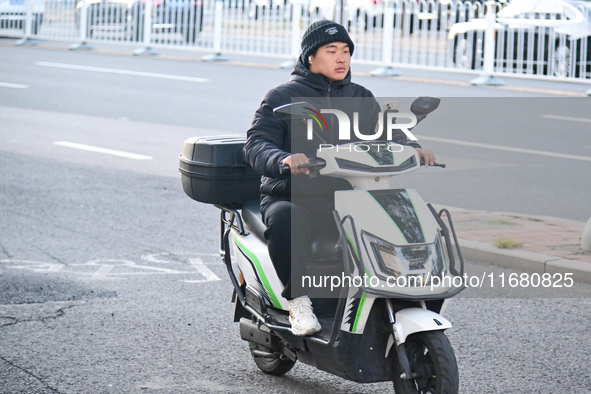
{"x":323,"y":247}
{"x":251,"y":214}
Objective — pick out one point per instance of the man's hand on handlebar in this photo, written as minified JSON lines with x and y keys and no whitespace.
{"x":294,"y":160}
{"x":426,"y":156}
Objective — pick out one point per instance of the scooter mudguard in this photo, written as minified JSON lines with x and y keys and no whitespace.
{"x":411,"y":320}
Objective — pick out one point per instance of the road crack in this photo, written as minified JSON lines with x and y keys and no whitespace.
{"x":6,"y":252}
{"x":49,"y":254}
{"x":11,"y":320}
{"x":31,"y":374}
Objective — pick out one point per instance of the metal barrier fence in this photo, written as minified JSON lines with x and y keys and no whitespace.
{"x":442,"y":35}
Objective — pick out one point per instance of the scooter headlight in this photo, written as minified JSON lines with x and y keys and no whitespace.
{"x":417,"y":264}
{"x":386,"y":256}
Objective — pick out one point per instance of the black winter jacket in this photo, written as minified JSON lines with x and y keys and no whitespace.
{"x":270,"y":140}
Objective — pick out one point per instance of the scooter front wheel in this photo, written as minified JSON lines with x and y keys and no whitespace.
{"x":432,"y":359}
{"x":270,"y":365}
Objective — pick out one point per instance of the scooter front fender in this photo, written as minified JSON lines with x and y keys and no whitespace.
{"x":411,"y":320}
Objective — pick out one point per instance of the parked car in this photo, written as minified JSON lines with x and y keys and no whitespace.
{"x":123,"y":19}
{"x":370,"y":13}
{"x":574,"y":48}
{"x":13,"y":14}
{"x":115,"y":18}
{"x":179,"y":16}
{"x":256,"y":7}
{"x":370,"y":9}
{"x":543,"y":37}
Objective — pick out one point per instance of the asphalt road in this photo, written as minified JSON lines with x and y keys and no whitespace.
{"x":109,"y":278}
{"x":482,"y":177}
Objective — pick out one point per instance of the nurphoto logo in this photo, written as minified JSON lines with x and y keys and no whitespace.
{"x":345,"y":124}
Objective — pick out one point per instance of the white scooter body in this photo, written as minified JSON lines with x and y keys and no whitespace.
{"x":252,"y":256}
{"x":390,"y":237}
{"x":369,"y":217}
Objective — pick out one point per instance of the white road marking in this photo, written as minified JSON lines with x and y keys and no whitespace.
{"x":106,"y":151}
{"x":156,"y":258}
{"x":164,"y":258}
{"x":151,"y":273}
{"x":203,"y":270}
{"x":12,"y":85}
{"x":102,"y":272}
{"x":157,"y":269}
{"x":107,"y":267}
{"x":108,"y":261}
{"x":567,"y":118}
{"x":123,"y":72}
{"x":505,"y":148}
{"x":35,"y":266}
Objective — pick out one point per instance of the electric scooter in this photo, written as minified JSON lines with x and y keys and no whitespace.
{"x":395,"y":258}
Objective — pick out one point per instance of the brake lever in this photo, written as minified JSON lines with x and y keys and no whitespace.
{"x":442,"y":165}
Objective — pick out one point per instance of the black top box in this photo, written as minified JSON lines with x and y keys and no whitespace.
{"x":213,"y":171}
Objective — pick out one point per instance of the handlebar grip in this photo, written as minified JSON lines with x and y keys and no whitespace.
{"x":442,"y":165}
{"x":284,"y":169}
{"x":314,"y":164}
{"x":308,"y":165}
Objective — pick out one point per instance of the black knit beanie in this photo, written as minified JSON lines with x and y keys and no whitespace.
{"x":321,"y":33}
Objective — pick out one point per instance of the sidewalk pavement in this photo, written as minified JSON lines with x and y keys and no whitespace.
{"x":542,"y":244}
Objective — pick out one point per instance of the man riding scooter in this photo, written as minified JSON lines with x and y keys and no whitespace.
{"x":322,"y":70}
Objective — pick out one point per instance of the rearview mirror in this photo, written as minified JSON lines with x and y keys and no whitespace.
{"x":299,"y":110}
{"x":423,"y":106}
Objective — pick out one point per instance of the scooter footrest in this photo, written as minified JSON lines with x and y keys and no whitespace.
{"x":278,"y":318}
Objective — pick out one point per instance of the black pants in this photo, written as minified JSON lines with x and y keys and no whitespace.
{"x":291,"y":229}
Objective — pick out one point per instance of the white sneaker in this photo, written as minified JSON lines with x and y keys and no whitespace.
{"x":302,"y":318}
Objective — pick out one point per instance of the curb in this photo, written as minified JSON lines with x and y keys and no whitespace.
{"x":524,"y":260}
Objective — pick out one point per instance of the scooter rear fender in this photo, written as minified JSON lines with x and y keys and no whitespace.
{"x":411,"y":320}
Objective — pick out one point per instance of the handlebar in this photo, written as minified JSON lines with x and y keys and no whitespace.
{"x":314,"y":164}
{"x":317,"y":164}
{"x":442,"y":165}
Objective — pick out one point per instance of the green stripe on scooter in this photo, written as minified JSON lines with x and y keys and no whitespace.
{"x":361,"y":304}
{"x":359,"y":310}
{"x":260,"y":271}
{"x":363,"y":294}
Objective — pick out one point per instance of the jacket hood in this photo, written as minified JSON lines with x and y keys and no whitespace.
{"x":302,"y":74}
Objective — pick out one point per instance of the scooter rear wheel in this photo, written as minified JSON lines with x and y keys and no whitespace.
{"x":432,"y":358}
{"x":271,"y":366}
